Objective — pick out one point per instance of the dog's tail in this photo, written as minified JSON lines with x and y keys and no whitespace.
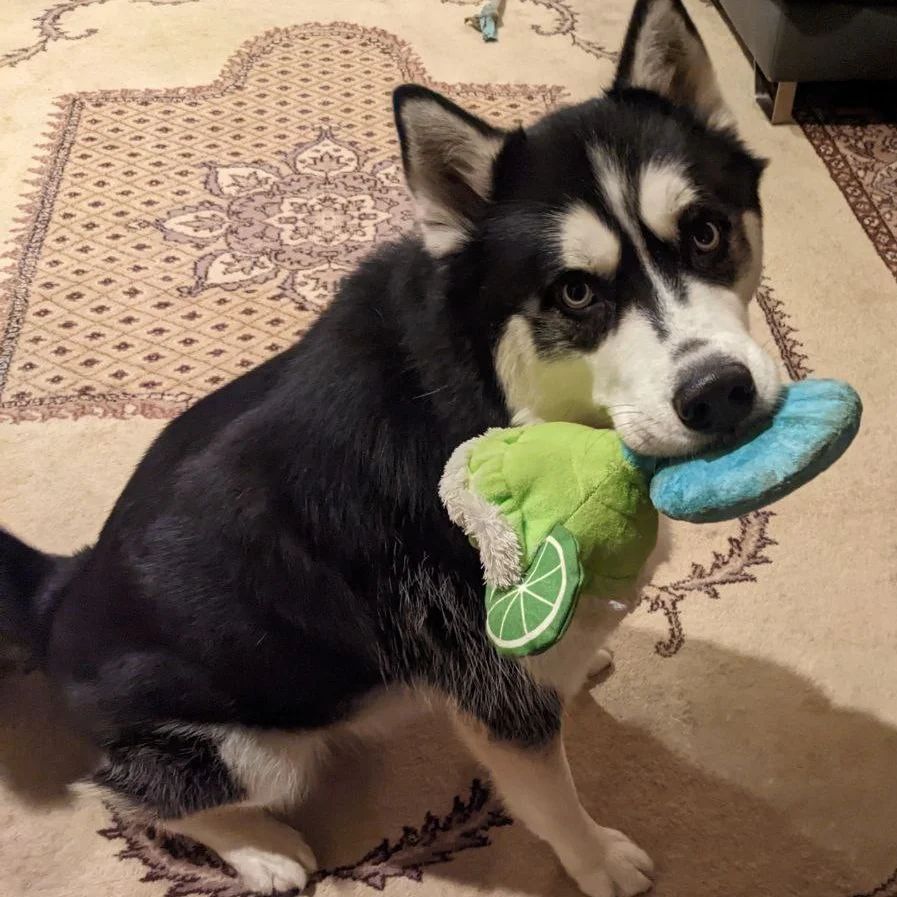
{"x":24,"y":572}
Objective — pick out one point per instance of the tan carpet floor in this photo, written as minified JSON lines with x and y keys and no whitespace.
{"x":748,"y":735}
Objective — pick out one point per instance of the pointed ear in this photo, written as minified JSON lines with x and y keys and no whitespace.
{"x":664,"y":53}
{"x":448,"y":156}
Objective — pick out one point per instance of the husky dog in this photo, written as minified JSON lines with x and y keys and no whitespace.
{"x":279,"y":562}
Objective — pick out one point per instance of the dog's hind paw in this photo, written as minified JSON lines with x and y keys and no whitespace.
{"x":269,"y":873}
{"x":268,"y":856}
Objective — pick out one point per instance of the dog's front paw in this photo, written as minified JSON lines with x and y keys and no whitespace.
{"x":619,"y":868}
{"x":602,"y":662}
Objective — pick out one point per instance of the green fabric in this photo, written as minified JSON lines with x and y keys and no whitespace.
{"x":575,"y":476}
{"x":530,"y":617}
{"x":565,"y":493}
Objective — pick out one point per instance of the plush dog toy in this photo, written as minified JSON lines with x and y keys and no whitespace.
{"x":560,"y":509}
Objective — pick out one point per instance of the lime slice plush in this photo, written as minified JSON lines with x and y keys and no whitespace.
{"x":531,"y":616}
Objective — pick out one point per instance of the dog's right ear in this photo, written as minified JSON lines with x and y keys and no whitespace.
{"x":448,"y":156}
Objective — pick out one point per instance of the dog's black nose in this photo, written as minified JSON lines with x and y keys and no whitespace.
{"x":715,"y":397}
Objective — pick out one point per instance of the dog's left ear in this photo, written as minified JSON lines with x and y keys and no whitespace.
{"x":664,"y":53}
{"x":448,"y":156}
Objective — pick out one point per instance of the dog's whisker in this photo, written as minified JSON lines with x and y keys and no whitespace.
{"x":631,"y":434}
{"x":432,"y":392}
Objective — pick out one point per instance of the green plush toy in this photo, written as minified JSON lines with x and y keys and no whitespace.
{"x":557,"y":510}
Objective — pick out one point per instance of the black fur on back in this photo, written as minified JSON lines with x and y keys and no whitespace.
{"x":281,"y":550}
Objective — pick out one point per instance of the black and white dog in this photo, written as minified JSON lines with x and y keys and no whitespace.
{"x":279,"y":567}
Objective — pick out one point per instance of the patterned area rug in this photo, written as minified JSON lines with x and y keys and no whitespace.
{"x":854,"y":130}
{"x":185,"y":182}
{"x":204,"y":228}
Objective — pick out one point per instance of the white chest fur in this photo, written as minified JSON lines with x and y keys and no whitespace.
{"x":567,"y":664}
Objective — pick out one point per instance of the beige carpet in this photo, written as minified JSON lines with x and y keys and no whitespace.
{"x":183,"y":181}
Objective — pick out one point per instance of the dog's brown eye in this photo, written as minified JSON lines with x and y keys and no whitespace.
{"x":576,"y":294}
{"x":705,"y":236}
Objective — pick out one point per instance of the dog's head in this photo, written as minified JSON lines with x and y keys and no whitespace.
{"x":610,"y":250}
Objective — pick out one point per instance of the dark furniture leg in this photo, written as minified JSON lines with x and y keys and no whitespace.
{"x":775,"y":98}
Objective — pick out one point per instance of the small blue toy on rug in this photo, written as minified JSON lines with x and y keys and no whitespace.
{"x":487,"y":20}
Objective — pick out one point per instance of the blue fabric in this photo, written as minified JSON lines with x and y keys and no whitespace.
{"x":811,"y":429}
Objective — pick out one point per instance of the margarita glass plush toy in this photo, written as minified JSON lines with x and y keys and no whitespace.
{"x":557,"y":510}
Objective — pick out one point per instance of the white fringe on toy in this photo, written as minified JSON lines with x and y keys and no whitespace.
{"x":496,"y":540}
